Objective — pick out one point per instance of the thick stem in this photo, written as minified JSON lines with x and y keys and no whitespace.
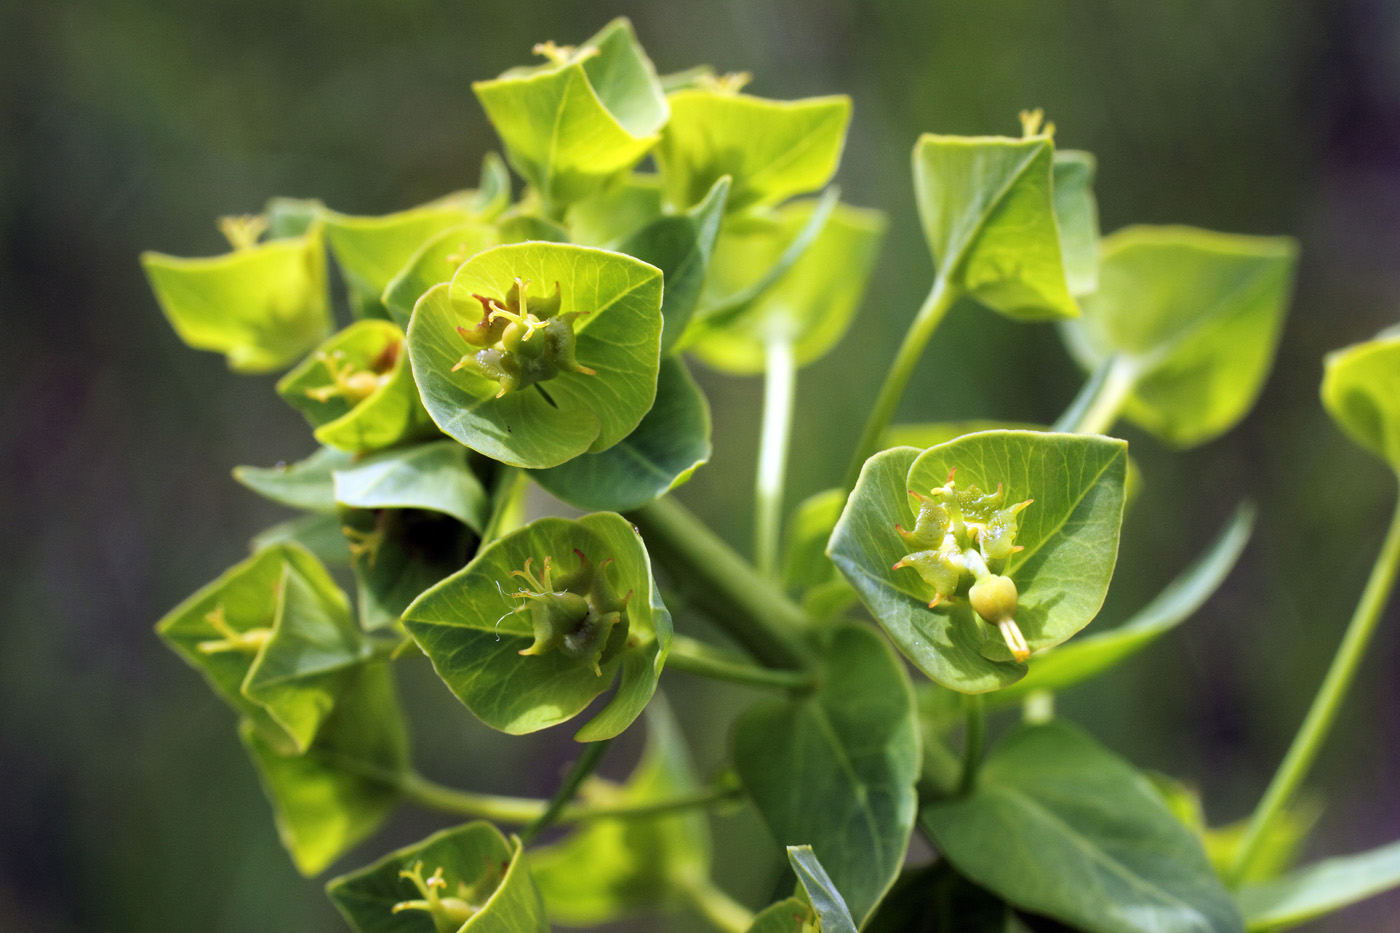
{"x":974,"y":735}
{"x":1097,"y":406}
{"x":1308,"y":742}
{"x":708,"y":573}
{"x":721,"y":910}
{"x":696,"y":657}
{"x":509,"y":485}
{"x":935,"y":306}
{"x":779,"y":389}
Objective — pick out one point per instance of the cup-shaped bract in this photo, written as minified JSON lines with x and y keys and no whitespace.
{"x":357,"y":389}
{"x":543,"y":620}
{"x":772,"y":149}
{"x":538,"y":352}
{"x":1191,"y":318}
{"x":436,"y":261}
{"x":263,"y":306}
{"x":987,"y":204}
{"x":470,"y":877}
{"x":572,"y":125}
{"x":1067,"y":545}
{"x":1361,"y":391}
{"x":274,"y":637}
{"x":809,"y":307}
{"x":337,"y":792}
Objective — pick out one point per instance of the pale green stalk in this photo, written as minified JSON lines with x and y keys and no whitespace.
{"x":779,"y":389}
{"x":1311,"y":735}
{"x":696,"y":657}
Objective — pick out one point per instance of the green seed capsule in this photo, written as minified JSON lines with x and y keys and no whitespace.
{"x":522,"y":342}
{"x":576,"y":612}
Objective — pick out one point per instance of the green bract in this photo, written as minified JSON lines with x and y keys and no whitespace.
{"x":809,"y":306}
{"x":1061,"y":827}
{"x":571,"y":125}
{"x":1068,"y":540}
{"x":592,"y":375}
{"x":826,"y":900}
{"x":434,"y":262}
{"x":1361,"y":389}
{"x":607,"y":216}
{"x":261,"y":305}
{"x":434,"y":477}
{"x":670,"y":444}
{"x":609,"y":869}
{"x":854,"y":745}
{"x":274,"y":637}
{"x":988,"y":210}
{"x":357,"y":389}
{"x":344,"y":786}
{"x":469,"y":879}
{"x":541,"y":622}
{"x":772,"y":149}
{"x":1190,"y":319}
{"x":307,"y":484}
{"x":1077,"y":214}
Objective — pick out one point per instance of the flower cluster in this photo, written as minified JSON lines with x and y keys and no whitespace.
{"x":521,"y":342}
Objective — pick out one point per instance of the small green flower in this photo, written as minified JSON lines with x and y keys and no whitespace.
{"x":522,"y":342}
{"x":579,"y":613}
{"x":960,"y":534}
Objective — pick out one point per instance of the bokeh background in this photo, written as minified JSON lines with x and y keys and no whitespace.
{"x":125,"y":799}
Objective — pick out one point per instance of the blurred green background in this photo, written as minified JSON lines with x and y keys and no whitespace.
{"x":125,"y":800}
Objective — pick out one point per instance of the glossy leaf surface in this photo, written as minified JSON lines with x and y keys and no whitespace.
{"x":467,"y":627}
{"x":854,"y":744}
{"x":434,"y":476}
{"x":1059,"y":826}
{"x":379,"y":410}
{"x":340,"y":791}
{"x":809,"y":306}
{"x":1069,"y":538}
{"x":479,"y":865}
{"x":987,"y":204}
{"x":771,"y":149}
{"x":569,"y":128}
{"x":572,"y":413}
{"x":1361,"y":390}
{"x":1195,"y":316}
{"x":671,"y":443}
{"x":1320,"y":889}
{"x":263,"y":307}
{"x":612,"y":868}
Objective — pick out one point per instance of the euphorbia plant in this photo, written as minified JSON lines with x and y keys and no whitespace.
{"x":496,"y":341}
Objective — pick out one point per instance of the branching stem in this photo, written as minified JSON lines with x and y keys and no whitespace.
{"x":696,"y":657}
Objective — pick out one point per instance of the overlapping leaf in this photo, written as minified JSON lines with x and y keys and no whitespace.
{"x":570,"y":127}
{"x":1069,"y":536}
{"x":1058,"y":825}
{"x":467,"y":627}
{"x":437,"y":260}
{"x":670,"y":444}
{"x":771,"y":149}
{"x":1192,"y":318}
{"x":381,"y":410}
{"x":573,"y":413}
{"x":836,"y":770}
{"x":987,"y":204}
{"x":480,"y":867}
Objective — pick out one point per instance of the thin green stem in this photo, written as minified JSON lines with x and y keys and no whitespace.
{"x":509,"y":485}
{"x":1311,"y":735}
{"x":935,"y":307}
{"x":523,"y":810}
{"x":779,"y":390}
{"x":727,"y":588}
{"x":974,"y":736}
{"x":696,"y":657}
{"x":587,"y":763}
{"x":721,"y":910}
{"x":1099,"y":403}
